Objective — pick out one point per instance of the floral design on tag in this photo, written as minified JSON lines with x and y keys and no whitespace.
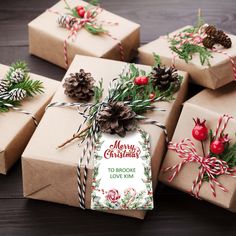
{"x":122,"y":172}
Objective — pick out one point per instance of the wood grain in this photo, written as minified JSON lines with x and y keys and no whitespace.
{"x":176,"y":213}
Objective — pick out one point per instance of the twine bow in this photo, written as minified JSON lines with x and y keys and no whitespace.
{"x":74,"y":24}
{"x":210,"y":166}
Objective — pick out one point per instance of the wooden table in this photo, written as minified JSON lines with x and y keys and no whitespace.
{"x":176,"y":213}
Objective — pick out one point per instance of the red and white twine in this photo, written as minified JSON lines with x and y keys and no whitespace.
{"x":80,"y":23}
{"x":210,"y":166}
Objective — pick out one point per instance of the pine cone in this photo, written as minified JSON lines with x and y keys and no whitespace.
{"x":211,"y":30}
{"x":65,"y":20}
{"x":79,"y":86}
{"x":163,"y":77}
{"x":15,"y":94}
{"x":4,"y":85}
{"x":116,"y":118}
{"x":209,"y":42}
{"x":223,"y":39}
{"x":218,"y":36}
{"x":17,"y":75}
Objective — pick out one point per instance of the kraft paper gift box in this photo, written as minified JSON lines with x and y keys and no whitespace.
{"x":51,"y":174}
{"x":209,"y":105}
{"x":17,"y":128}
{"x":46,"y":37}
{"x":218,"y":74}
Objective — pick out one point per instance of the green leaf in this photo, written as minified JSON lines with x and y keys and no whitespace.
{"x":157,"y":59}
{"x":134,"y":71}
{"x":98,"y":91}
{"x":94,"y":29}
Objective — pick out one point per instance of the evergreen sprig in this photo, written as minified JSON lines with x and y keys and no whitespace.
{"x":31,"y":87}
{"x":228,"y":155}
{"x":187,"y":50}
{"x":17,"y":65}
{"x":136,"y":96}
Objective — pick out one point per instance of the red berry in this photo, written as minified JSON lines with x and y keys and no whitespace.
{"x":144,"y":80}
{"x":217,"y":147}
{"x":152,"y":96}
{"x":141,"y":80}
{"x":80,"y":11}
{"x":200,"y":131}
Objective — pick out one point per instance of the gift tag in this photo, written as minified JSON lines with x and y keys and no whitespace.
{"x":122,"y":173}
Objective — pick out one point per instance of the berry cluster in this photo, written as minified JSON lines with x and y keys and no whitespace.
{"x":200,"y":133}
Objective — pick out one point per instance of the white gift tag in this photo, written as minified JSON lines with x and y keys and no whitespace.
{"x":122,"y":173}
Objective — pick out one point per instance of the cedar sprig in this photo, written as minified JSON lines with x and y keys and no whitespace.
{"x":187,"y":50}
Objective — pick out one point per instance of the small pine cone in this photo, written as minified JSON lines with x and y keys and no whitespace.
{"x":79,"y":86}
{"x":211,"y":30}
{"x":163,"y":77}
{"x":64,"y":20}
{"x":17,"y":75}
{"x":116,"y":118}
{"x":209,"y":42}
{"x":16,"y":94}
{"x":4,"y":85}
{"x":223,"y":39}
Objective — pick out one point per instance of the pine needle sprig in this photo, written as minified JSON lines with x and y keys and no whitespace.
{"x":17,"y":65}
{"x":32,"y":87}
{"x":20,"y":86}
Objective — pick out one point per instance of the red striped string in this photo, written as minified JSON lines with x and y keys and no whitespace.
{"x":80,"y":23}
{"x":210,"y":166}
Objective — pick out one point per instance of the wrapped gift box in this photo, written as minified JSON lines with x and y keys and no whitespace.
{"x":46,"y":37}
{"x":218,"y":74}
{"x":51,"y":174}
{"x":17,"y":128}
{"x":207,"y":105}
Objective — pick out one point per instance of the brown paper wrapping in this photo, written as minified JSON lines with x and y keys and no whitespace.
{"x":207,"y":105}
{"x":220,"y":73}
{"x":17,"y":128}
{"x":46,"y":37}
{"x":50,"y":173}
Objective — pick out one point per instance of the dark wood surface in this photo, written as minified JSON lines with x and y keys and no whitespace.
{"x":176,"y":213}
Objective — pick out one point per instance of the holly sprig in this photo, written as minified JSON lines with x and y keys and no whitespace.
{"x":93,"y":27}
{"x":25,"y":87}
